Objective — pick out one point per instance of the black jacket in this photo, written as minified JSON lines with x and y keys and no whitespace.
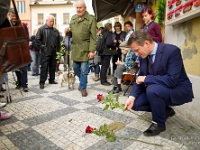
{"x":122,"y":36}
{"x":33,"y":45}
{"x":4,"y":7}
{"x":110,"y":48}
{"x":42,"y":42}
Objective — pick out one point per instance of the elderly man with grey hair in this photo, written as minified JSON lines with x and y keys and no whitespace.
{"x":83,"y":27}
{"x":48,"y":41}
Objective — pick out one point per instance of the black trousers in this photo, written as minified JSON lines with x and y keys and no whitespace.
{"x":105,"y":62}
{"x":22,"y":77}
{"x":48,"y":64}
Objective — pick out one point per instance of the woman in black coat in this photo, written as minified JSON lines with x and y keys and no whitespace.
{"x":118,"y":38}
{"x":108,"y":51}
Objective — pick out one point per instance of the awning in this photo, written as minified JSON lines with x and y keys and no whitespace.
{"x":105,"y":9}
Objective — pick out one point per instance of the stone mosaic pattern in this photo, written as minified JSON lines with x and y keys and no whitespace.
{"x":55,"y":119}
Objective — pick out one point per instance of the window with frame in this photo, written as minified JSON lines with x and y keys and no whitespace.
{"x":55,"y":20}
{"x":40,"y":19}
{"x":65,"y":18}
{"x":21,"y":7}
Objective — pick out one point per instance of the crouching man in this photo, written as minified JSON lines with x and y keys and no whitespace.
{"x":162,"y":81}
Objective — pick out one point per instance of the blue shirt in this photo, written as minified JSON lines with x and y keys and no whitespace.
{"x":154,"y":51}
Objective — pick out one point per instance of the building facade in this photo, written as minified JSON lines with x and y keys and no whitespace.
{"x":62,"y":10}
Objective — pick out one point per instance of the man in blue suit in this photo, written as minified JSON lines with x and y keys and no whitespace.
{"x":162,"y":81}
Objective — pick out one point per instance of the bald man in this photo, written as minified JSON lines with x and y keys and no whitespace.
{"x":83,"y":27}
{"x":48,"y":41}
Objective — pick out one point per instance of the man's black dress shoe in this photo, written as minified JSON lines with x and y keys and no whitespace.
{"x":53,"y":82}
{"x":153,"y":130}
{"x":112,"y":89}
{"x":170,"y":114}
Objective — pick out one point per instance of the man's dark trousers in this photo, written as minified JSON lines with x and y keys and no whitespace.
{"x":48,"y":65}
{"x":105,"y":62}
{"x":22,"y":76}
{"x":155,"y":99}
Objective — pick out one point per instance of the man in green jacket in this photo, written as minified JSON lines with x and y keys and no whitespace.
{"x":83,"y":28}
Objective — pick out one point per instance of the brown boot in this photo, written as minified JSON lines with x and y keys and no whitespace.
{"x":96,"y":77}
{"x":84,"y":93}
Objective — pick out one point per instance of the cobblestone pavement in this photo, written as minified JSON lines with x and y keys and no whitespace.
{"x":55,"y":119}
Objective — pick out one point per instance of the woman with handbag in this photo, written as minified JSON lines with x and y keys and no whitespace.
{"x":109,"y":50}
{"x":97,"y":59}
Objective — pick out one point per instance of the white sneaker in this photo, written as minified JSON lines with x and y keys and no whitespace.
{"x":2,"y":104}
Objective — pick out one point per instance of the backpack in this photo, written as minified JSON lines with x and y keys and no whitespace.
{"x":101,"y":43}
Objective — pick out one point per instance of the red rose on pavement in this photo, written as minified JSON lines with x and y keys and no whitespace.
{"x":89,"y":129}
{"x":99,"y":97}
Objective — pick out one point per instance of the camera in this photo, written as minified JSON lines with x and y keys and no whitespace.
{"x":69,"y":33}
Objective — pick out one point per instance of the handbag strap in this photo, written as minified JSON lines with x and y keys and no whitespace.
{"x":16,"y":12}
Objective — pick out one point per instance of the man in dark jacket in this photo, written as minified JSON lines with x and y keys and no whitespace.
{"x":161,"y":83}
{"x":48,"y":41}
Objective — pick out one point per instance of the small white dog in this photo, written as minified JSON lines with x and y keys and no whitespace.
{"x":63,"y":77}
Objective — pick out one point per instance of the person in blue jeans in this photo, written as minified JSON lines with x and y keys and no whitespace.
{"x":96,"y":72}
{"x":83,"y":28}
{"x":81,"y":70}
{"x":96,"y":63}
{"x":35,"y":55}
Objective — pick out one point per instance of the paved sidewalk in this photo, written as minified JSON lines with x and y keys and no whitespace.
{"x":55,"y":119}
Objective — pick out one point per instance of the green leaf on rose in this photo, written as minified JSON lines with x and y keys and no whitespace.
{"x":105,"y":127}
{"x":107,"y":103}
{"x":121,"y":106}
{"x":101,"y":129}
{"x":110,"y":138}
{"x":112,"y":106}
{"x":106,"y":107}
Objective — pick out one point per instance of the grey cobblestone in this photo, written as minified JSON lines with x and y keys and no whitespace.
{"x":109,"y":114}
{"x":49,"y":116}
{"x":69,"y":102}
{"x":8,"y":121}
{"x":30,"y":139}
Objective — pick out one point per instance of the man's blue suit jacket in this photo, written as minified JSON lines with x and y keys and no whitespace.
{"x":168,"y":71}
